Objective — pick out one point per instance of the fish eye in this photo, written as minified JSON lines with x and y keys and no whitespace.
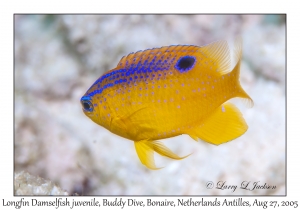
{"x":86,"y":103}
{"x":185,"y":63}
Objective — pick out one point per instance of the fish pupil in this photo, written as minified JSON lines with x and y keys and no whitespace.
{"x":86,"y":103}
{"x":86,"y":106}
{"x":185,"y":63}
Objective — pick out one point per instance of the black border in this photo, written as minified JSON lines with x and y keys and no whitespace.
{"x":118,"y":196}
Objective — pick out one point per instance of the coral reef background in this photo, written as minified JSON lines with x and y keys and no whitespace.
{"x":58,"y":57}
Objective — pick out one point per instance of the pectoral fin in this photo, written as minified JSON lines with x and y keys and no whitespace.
{"x":145,"y":150}
{"x":225,"y":124}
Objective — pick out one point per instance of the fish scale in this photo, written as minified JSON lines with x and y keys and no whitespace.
{"x":165,"y":92}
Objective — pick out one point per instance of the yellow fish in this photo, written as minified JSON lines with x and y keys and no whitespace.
{"x":165,"y":92}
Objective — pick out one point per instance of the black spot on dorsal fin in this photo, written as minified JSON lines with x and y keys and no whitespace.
{"x":185,"y":63}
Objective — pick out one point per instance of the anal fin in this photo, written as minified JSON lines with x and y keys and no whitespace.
{"x":225,"y":124}
{"x":145,"y":150}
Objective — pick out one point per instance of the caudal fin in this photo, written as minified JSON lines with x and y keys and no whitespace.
{"x":236,"y":71}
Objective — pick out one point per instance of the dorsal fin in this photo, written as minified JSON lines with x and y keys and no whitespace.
{"x":219,"y":53}
{"x":238,"y":50}
{"x":162,"y":52}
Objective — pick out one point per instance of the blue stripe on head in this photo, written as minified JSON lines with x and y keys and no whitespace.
{"x":132,"y":69}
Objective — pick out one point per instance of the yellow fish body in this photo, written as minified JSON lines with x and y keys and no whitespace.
{"x":165,"y":92}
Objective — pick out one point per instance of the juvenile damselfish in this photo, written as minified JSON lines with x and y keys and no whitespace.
{"x":164,"y":92}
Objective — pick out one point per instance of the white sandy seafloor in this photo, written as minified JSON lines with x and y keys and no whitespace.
{"x":57,"y":58}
